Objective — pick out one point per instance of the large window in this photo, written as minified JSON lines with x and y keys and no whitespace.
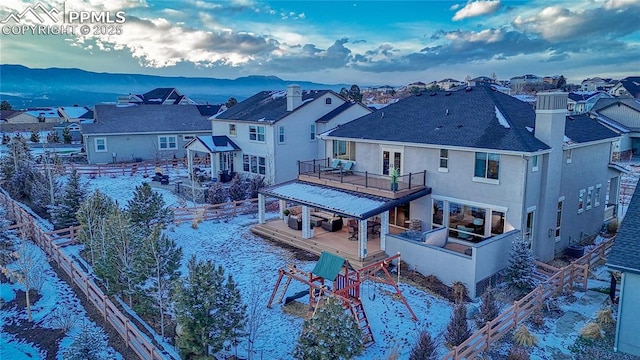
{"x":487,"y":165}
{"x":344,"y":150}
{"x":168,"y":142}
{"x":444,"y":159}
{"x":467,"y":222}
{"x":254,"y":164}
{"x":280,"y":134}
{"x":232,"y":129}
{"x":391,"y":159}
{"x":497,"y":222}
{"x":256,"y":133}
{"x":101,"y":144}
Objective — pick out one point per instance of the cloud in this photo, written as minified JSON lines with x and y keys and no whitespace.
{"x":477,"y":8}
{"x":310,"y":58}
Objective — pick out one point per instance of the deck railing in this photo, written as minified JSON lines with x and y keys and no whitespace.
{"x":321,"y":169}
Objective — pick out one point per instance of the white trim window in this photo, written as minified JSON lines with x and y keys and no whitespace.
{"x":232,"y":130}
{"x":254,"y":164}
{"x":100,"y":144}
{"x":559,"y":218}
{"x":534,"y":163}
{"x":529,"y":226}
{"x":167,"y":142}
{"x":581,"y":201}
{"x":256,"y":133}
{"x":281,"y":137}
{"x":487,"y":166}
{"x":312,"y":134}
{"x":443,"y":165}
{"x":596,"y":196}
{"x":344,"y":150}
{"x":589,"y":197}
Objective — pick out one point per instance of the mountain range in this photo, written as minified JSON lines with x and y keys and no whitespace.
{"x":25,"y":87}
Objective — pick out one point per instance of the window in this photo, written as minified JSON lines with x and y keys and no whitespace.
{"x":168,"y":142}
{"x":232,"y":129}
{"x":534,"y":163}
{"x":327,"y":101}
{"x":438,"y":213}
{"x":528,"y":229}
{"x":101,"y":144}
{"x":391,"y":159}
{"x":596,"y":195}
{"x":589,"y":197}
{"x":569,"y":156}
{"x":467,"y":222}
{"x":559,"y":219}
{"x":581,"y":201}
{"x":344,"y":150}
{"x":280,"y":134}
{"x":444,"y":160}
{"x":312,"y":135}
{"x":487,"y":165}
{"x":256,"y":133}
{"x":497,"y":222}
{"x":254,"y":164}
{"x":188,"y":137}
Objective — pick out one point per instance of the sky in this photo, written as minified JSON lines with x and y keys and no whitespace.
{"x":363,"y":42}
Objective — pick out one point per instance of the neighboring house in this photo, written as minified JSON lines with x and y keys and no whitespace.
{"x":551,"y":80}
{"x":480,"y":80}
{"x":6,"y":115}
{"x":157,"y":96}
{"x":418,"y":86}
{"x":627,"y":87}
{"x":448,"y":83}
{"x":142,"y":132}
{"x":596,"y":83}
{"x":275,"y":129}
{"x":35,"y":115}
{"x":526,"y":79}
{"x":624,"y":258}
{"x":74,"y":131}
{"x":581,"y":102}
{"x":75,"y":113}
{"x":621,"y":115}
{"x":496,"y":168}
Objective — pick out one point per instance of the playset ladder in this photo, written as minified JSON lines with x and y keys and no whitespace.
{"x":281,"y":294}
{"x":363,"y":322}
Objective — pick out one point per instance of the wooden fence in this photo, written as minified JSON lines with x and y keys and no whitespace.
{"x":220,"y":211}
{"x":133,"y":337}
{"x":510,"y":318}
{"x":120,"y":169}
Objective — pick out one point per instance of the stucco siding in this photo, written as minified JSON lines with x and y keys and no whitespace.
{"x":629,"y":315}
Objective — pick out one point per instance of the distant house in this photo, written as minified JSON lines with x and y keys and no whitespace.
{"x":73,"y":128}
{"x":481,"y":80}
{"x":142,"y":132}
{"x":5,"y":115}
{"x":75,"y":113}
{"x":581,"y":102}
{"x":624,"y":258}
{"x":596,"y":83}
{"x":274,"y":129}
{"x":35,"y":115}
{"x":157,"y":96}
{"x":627,"y":87}
{"x":621,"y":115}
{"x":448,"y":83}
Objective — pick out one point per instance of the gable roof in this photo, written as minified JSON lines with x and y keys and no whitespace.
{"x":337,"y":111}
{"x":632,"y":84}
{"x":132,"y":118}
{"x":624,"y":254}
{"x":267,"y":106}
{"x":209,"y":110}
{"x":460,"y":118}
{"x":582,"y":129}
{"x":582,"y":95}
{"x":8,"y":114}
{"x":604,"y":103}
{"x":217,"y":143}
{"x":159,"y":96}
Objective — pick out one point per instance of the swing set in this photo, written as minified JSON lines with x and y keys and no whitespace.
{"x":346,"y":286}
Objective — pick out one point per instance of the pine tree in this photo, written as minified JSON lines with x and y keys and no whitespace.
{"x":208,"y":309}
{"x":330,"y":334}
{"x":424,"y":349}
{"x":457,"y":330}
{"x":35,"y":136}
{"x":18,"y":153}
{"x":20,"y":185}
{"x":519,"y":271}
{"x":147,"y":209}
{"x":489,"y":308}
{"x":66,"y":135}
{"x":92,"y":216}
{"x":237,"y":190}
{"x":45,"y":186}
{"x":63,"y":213}
{"x":90,"y":344}
{"x":255,"y":184}
{"x":160,"y":261}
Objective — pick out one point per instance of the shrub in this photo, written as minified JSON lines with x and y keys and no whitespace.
{"x":604,"y":317}
{"x":517,"y":353}
{"x":537,"y":319}
{"x":612,"y":226}
{"x":424,"y":349}
{"x":591,"y":331}
{"x":459,"y":291}
{"x":217,"y":194}
{"x":523,"y":337}
{"x":489,"y":309}
{"x":519,"y":271}
{"x":457,"y":330}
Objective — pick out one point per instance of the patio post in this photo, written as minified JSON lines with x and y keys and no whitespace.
{"x":212,"y":165}
{"x":306,"y":222}
{"x":281,"y":206}
{"x":261,"y":209}
{"x":189,"y":164}
{"x":362,"y":238}
{"x":384,"y":229}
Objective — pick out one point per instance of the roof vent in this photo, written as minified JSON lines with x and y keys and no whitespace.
{"x":469,"y":88}
{"x":446,"y":112}
{"x":433,"y":94}
{"x":448,"y":93}
{"x":459,"y":126}
{"x":418,"y":94}
{"x":382,"y":115}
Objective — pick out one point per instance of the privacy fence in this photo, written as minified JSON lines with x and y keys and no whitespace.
{"x":576,"y":272}
{"x":51,"y":243}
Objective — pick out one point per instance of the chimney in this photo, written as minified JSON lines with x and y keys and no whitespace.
{"x":294,"y":97}
{"x":551,"y":111}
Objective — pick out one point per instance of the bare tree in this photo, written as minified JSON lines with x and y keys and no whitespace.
{"x":27,"y":270}
{"x":256,"y":315}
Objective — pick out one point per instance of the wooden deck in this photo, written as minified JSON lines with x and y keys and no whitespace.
{"x":358,"y":183}
{"x":337,"y":242}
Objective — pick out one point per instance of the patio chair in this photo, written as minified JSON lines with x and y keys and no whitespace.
{"x":352,"y":226}
{"x":335,"y":165}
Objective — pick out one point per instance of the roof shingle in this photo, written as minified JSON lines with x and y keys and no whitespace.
{"x":625,"y":254}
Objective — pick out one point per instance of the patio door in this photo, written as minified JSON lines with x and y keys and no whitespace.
{"x":226,"y":161}
{"x":391,"y":159}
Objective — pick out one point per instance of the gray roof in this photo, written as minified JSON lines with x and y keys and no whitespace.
{"x":464,"y":118}
{"x":218,"y":143}
{"x":335,"y":112}
{"x":267,"y":106}
{"x":607,"y":102}
{"x":632,"y":84}
{"x":131,"y":119}
{"x":625,"y":252}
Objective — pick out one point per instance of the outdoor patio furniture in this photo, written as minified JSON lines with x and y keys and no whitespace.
{"x":295,"y":222}
{"x":333,"y":224}
{"x":164,"y":180}
{"x":334,"y":166}
{"x":352,"y":226}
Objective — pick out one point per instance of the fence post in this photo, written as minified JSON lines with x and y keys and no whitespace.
{"x":409,"y":180}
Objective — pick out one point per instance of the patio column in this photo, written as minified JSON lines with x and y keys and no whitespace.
{"x":189,"y":163}
{"x":261,"y":209}
{"x":281,"y":206}
{"x":306,"y":222}
{"x":362,"y":238}
{"x":384,"y":229}
{"x":212,"y":165}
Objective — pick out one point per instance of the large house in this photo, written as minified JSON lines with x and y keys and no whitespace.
{"x":493,"y":168}
{"x":621,"y":115}
{"x":275,"y":129}
{"x":624,"y":258}
{"x":143,"y":132}
{"x":627,"y":87}
{"x":581,"y":102}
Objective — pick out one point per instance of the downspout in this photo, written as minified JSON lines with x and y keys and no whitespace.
{"x":523,"y":222}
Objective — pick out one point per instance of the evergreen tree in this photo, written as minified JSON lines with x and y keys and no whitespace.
{"x":18,"y":153}
{"x":522,"y":265}
{"x":208,"y":309}
{"x":355,"y":94}
{"x":92,"y":215}
{"x":5,"y":105}
{"x":237,"y":190}
{"x":66,"y":135}
{"x":35,"y":136}
{"x":562,"y":82}
{"x":90,"y":344}
{"x":160,"y":261}
{"x":45,"y":187}
{"x":255,"y":184}
{"x":424,"y":349}
{"x":63,"y":213}
{"x":148,"y":209}
{"x":231,"y":102}
{"x":217,"y":194}
{"x":489,"y":308}
{"x":20,"y":185}
{"x":52,"y":137}
{"x":457,"y":330}
{"x":330,"y":334}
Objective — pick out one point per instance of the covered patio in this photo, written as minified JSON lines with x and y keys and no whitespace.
{"x":363,"y":219}
{"x":222,"y":154}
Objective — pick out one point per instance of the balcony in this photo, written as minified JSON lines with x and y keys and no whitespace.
{"x":320,"y":172}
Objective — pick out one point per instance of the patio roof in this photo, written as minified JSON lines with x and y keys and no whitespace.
{"x":342,"y":202}
{"x":213,"y":144}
